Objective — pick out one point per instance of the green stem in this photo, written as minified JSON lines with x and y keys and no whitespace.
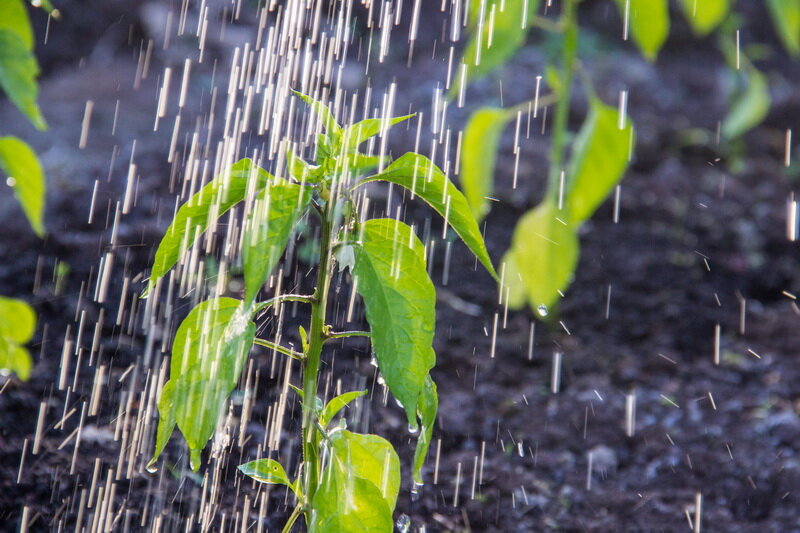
{"x":560,"y":121}
{"x":345,"y":334}
{"x":283,"y":298}
{"x":278,"y":348}
{"x":292,"y":519}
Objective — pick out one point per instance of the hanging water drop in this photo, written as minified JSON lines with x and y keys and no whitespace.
{"x":151,"y":468}
{"x":542,"y":310}
{"x":413,"y":429}
{"x":403,"y":524}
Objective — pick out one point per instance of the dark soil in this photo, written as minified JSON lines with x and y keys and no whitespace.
{"x":701,"y":242}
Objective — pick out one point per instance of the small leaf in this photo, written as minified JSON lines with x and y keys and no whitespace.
{"x":648,"y":22}
{"x":426,"y":409}
{"x":418,"y":174}
{"x":337,"y":404}
{"x":368,"y":457}
{"x":786,"y":19}
{"x":349,"y":503}
{"x":167,"y":423}
{"x":332,"y":128}
{"x":749,"y":108}
{"x":359,"y":132}
{"x":545,"y":250}
{"x":599,"y":160}
{"x":17,"y":320}
{"x":705,"y":15}
{"x":14,"y":358}
{"x":400,"y":306}
{"x":269,"y":225}
{"x":266,"y":471}
{"x":18,"y":73}
{"x":196,"y":215}
{"x":14,"y":17}
{"x":478,"y":156}
{"x":19,"y":162}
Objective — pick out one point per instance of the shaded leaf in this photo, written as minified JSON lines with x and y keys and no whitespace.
{"x":648,"y":24}
{"x":426,"y":409}
{"x":18,"y":73}
{"x":750,"y":107}
{"x":19,"y":162}
{"x":336,"y":404}
{"x":705,"y":15}
{"x":266,"y":471}
{"x":786,"y":19}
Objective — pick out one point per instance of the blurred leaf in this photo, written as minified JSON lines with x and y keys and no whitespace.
{"x":14,"y":17}
{"x":266,"y":471}
{"x":705,"y":15}
{"x":750,"y":107}
{"x":17,"y":325}
{"x":648,"y":23}
{"x":426,"y":409}
{"x":513,"y":289}
{"x":344,"y":502}
{"x":600,"y":157}
{"x":337,"y":404}
{"x":48,"y":6}
{"x":368,"y":457}
{"x":206,"y":206}
{"x":16,"y":359}
{"x":545,"y":249}
{"x":786,"y":19}
{"x":269,"y":225}
{"x":18,"y":72}
{"x":479,"y":154}
{"x":418,"y":174}
{"x":19,"y":162}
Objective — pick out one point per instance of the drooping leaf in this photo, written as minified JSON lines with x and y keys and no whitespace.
{"x":266,"y":471}
{"x":600,"y":157}
{"x":705,"y":15}
{"x":368,"y":457}
{"x":336,"y":404}
{"x":14,"y":17}
{"x":332,"y":128}
{"x":545,"y":249}
{"x":749,"y":107}
{"x":478,"y":156}
{"x":17,"y":325}
{"x":648,"y":24}
{"x":359,"y":132}
{"x":786,"y":19}
{"x":348,"y":503}
{"x":400,"y":306}
{"x":269,"y":225}
{"x":426,"y":409}
{"x":418,"y":174}
{"x":18,"y":73}
{"x":19,"y":162}
{"x":197,"y":214}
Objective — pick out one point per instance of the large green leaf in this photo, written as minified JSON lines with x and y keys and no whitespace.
{"x":705,"y":15}
{"x":418,"y":174}
{"x":479,"y":154}
{"x":14,"y":17}
{"x":345,"y":503}
{"x":786,"y":19}
{"x":18,"y":72}
{"x":749,"y":107}
{"x":19,"y":162}
{"x":368,"y":457}
{"x":545,"y":251}
{"x":648,"y":23}
{"x":17,"y":325}
{"x":267,"y":471}
{"x":208,"y":204}
{"x":208,"y":354}
{"x":336,"y":404}
{"x":269,"y":225}
{"x":600,"y":157}
{"x":426,"y":409}
{"x":400,"y":303}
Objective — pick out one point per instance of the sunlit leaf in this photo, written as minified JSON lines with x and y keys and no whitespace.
{"x":16,"y":359}
{"x":648,"y":24}
{"x":337,"y":404}
{"x":513,"y":289}
{"x":208,"y":204}
{"x":14,"y":17}
{"x":786,"y":19}
{"x":348,"y":503}
{"x":368,"y":457}
{"x":600,"y":157}
{"x":478,"y":156}
{"x":418,"y":174}
{"x":426,"y":409}
{"x":19,"y":162}
{"x":400,"y":302}
{"x":323,"y":112}
{"x":359,"y":132}
{"x":266,"y":471}
{"x":705,"y":15}
{"x":545,"y":248}
{"x":18,"y":73}
{"x":750,"y":107}
{"x":17,"y":325}
{"x":268,"y":227}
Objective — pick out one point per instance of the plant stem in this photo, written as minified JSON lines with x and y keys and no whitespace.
{"x":292,"y":519}
{"x":278,"y":348}
{"x":316,"y":338}
{"x":560,"y":121}
{"x":283,"y":298}
{"x":345,"y":334}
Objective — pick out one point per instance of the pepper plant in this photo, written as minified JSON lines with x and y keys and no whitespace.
{"x":346,"y":481}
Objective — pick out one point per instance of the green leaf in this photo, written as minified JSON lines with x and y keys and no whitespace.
{"x":513,"y":288}
{"x":368,"y":457}
{"x":167,"y":423}
{"x":786,"y":19}
{"x":427,"y":408}
{"x":705,"y":15}
{"x":18,"y":72}
{"x":750,"y":107}
{"x":19,"y":162}
{"x":349,"y":503}
{"x":332,"y":128}
{"x":359,"y":132}
{"x":197,"y":214}
{"x":600,"y":157}
{"x":14,"y":17}
{"x":267,"y":471}
{"x":400,"y":306}
{"x":337,"y":404}
{"x":48,"y":6}
{"x":418,"y":174}
{"x":208,"y":354}
{"x":479,"y":154}
{"x":14,"y":358}
{"x":545,"y":249}
{"x":300,"y":170}
{"x":269,"y":225}
{"x":17,"y":320}
{"x":648,"y":23}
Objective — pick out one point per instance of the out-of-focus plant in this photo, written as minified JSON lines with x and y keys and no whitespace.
{"x":18,"y":73}
{"x":346,"y":481}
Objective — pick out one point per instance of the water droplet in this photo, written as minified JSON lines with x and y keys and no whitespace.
{"x":373,"y":360}
{"x":416,"y":491}
{"x":403,"y":524}
{"x":381,"y":381}
{"x":413,"y":429}
{"x":399,"y":403}
{"x":152,"y":468}
{"x":542,"y":310}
